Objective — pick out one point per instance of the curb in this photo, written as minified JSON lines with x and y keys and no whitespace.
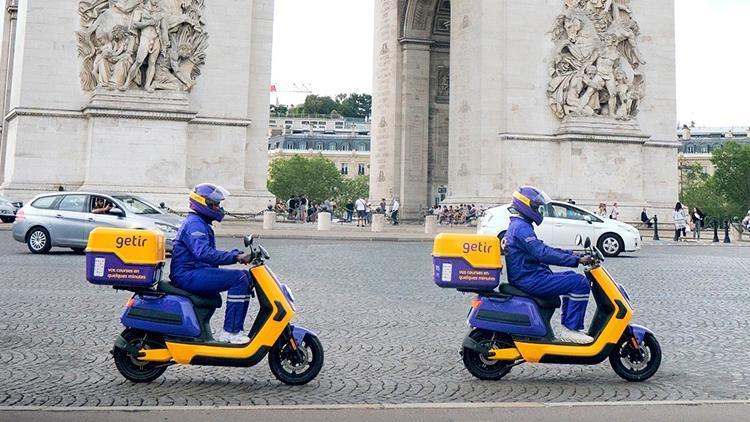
{"x":382,"y":406}
{"x":324,"y":237}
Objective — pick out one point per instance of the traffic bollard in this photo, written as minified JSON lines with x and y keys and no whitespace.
{"x":269,"y":220}
{"x":726,"y":232}
{"x":716,"y":232}
{"x":656,"y":228}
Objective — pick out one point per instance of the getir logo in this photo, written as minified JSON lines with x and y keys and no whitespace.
{"x":477,"y":247}
{"x":138,"y":241}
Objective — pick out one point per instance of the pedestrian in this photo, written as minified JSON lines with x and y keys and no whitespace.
{"x":291,"y":205}
{"x":615,"y":213}
{"x":394,"y":211}
{"x":383,"y":206}
{"x":699,"y":219}
{"x":645,"y":220}
{"x":602,"y":210}
{"x":746,"y":221}
{"x":368,"y":214}
{"x":679,"y":218}
{"x":361,"y":206}
{"x":302,"y":205}
{"x":349,"y":211}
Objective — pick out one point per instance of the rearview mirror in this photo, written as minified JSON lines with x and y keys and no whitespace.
{"x":162,"y":206}
{"x":579,"y":240}
{"x":116,"y":211}
{"x":248,"y":241}
{"x":587,"y":244}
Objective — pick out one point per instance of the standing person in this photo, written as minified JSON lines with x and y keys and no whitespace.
{"x":615,"y":213}
{"x":361,"y":206}
{"x":679,"y":218}
{"x":602,"y":210}
{"x":383,"y":206}
{"x":291,"y":206}
{"x":368,"y":214}
{"x":349,"y":211}
{"x":302,"y":205}
{"x":698,"y":219}
{"x":746,"y":221}
{"x":394,"y":211}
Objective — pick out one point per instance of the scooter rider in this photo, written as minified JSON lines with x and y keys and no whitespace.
{"x":528,"y":260}
{"x":196,"y":261}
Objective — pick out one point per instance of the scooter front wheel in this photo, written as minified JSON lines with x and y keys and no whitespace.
{"x":636,"y":365}
{"x":478,"y":365}
{"x":296,"y":367}
{"x":129,"y":366}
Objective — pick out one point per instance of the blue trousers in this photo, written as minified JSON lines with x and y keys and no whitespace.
{"x":572,"y":286}
{"x":237,"y":283}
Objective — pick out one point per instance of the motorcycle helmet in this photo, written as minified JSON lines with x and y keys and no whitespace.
{"x":528,"y":202}
{"x":206,"y":199}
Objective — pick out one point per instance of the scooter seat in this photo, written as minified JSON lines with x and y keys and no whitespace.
{"x":209,"y":302}
{"x":543,"y":302}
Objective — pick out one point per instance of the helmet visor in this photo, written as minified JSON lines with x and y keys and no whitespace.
{"x":540,"y":199}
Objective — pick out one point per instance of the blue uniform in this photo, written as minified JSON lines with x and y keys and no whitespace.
{"x":195,"y":268}
{"x":528,"y":260}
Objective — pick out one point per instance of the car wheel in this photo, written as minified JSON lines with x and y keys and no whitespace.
{"x":610,"y":244}
{"x":38,"y":240}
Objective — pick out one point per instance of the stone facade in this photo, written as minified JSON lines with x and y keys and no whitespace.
{"x":502,"y":132}
{"x":152,"y":138}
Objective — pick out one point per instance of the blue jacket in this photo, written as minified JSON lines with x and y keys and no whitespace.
{"x":195,"y":248}
{"x":527,"y":257}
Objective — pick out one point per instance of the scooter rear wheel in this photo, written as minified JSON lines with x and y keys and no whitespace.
{"x":129,"y":366}
{"x":636,"y":366}
{"x":291,"y":369}
{"x":481,"y":367}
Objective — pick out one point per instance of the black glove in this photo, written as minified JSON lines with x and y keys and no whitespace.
{"x":586,"y":260}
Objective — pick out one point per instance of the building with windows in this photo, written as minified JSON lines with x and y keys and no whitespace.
{"x":350,"y":152}
{"x":698,"y":145}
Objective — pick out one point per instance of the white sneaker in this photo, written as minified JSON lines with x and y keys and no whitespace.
{"x":569,"y":336}
{"x":233,"y":338}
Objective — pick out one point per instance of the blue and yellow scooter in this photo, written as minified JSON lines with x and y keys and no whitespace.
{"x":510,"y":327}
{"x":167,"y":326}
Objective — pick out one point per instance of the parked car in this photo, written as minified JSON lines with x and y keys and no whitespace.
{"x":562,"y":222}
{"x":8,"y":209}
{"x":66,"y":219}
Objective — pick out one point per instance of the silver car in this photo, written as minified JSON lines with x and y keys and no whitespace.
{"x":65,"y":219}
{"x":8,"y":209}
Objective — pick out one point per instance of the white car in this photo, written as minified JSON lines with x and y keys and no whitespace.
{"x":562,"y":222}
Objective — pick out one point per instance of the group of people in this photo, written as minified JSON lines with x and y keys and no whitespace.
{"x":686,"y":221}
{"x":363,"y":211}
{"x":450,"y":215}
{"x":612,"y":214}
{"x":299,"y":208}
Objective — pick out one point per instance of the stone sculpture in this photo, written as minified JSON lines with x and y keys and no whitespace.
{"x":596,"y":70}
{"x":147,"y":44}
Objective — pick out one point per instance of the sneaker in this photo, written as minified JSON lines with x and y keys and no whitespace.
{"x":570,"y":336}
{"x":233,"y":338}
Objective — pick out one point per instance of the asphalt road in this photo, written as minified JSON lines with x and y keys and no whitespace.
{"x":389,"y":334}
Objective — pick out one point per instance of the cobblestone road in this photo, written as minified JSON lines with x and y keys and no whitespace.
{"x":390,"y":335}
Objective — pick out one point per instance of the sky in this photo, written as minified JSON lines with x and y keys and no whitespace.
{"x":325,"y":47}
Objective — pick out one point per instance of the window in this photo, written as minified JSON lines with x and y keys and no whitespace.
{"x":75,"y":203}
{"x":332,"y":147}
{"x":136,"y":205}
{"x":361,"y":169}
{"x":568,"y":213}
{"x":45,"y":203}
{"x":339,"y":125}
{"x":362,"y":147}
{"x":344,"y":147}
{"x":344,"y":169}
{"x":303,"y":145}
{"x":690,"y":149}
{"x":319,"y":146}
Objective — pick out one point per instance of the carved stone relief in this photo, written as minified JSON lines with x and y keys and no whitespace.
{"x":141,"y":44}
{"x":596,"y":70}
{"x":443,"y":83}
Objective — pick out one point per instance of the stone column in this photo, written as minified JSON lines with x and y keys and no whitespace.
{"x":385,"y":174}
{"x":477,"y":105}
{"x":415,"y":95}
{"x":7,"y":53}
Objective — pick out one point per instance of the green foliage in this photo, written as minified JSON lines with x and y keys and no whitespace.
{"x":727,"y":192}
{"x":351,"y":105}
{"x":352,"y":189}
{"x":732,"y":162}
{"x":279,"y":110}
{"x":316,"y":178}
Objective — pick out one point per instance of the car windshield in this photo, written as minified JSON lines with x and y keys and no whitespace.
{"x":136,"y":205}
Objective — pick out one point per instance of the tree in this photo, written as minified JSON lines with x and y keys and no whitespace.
{"x":352,"y":189}
{"x":346,"y":105}
{"x":316,"y":178}
{"x":732,"y":176}
{"x":354,"y":105}
{"x":279,"y":110}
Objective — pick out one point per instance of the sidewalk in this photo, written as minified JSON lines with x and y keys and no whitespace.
{"x":400,"y":233}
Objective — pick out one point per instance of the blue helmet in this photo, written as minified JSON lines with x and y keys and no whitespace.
{"x":528,"y":201}
{"x":206,"y":199}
